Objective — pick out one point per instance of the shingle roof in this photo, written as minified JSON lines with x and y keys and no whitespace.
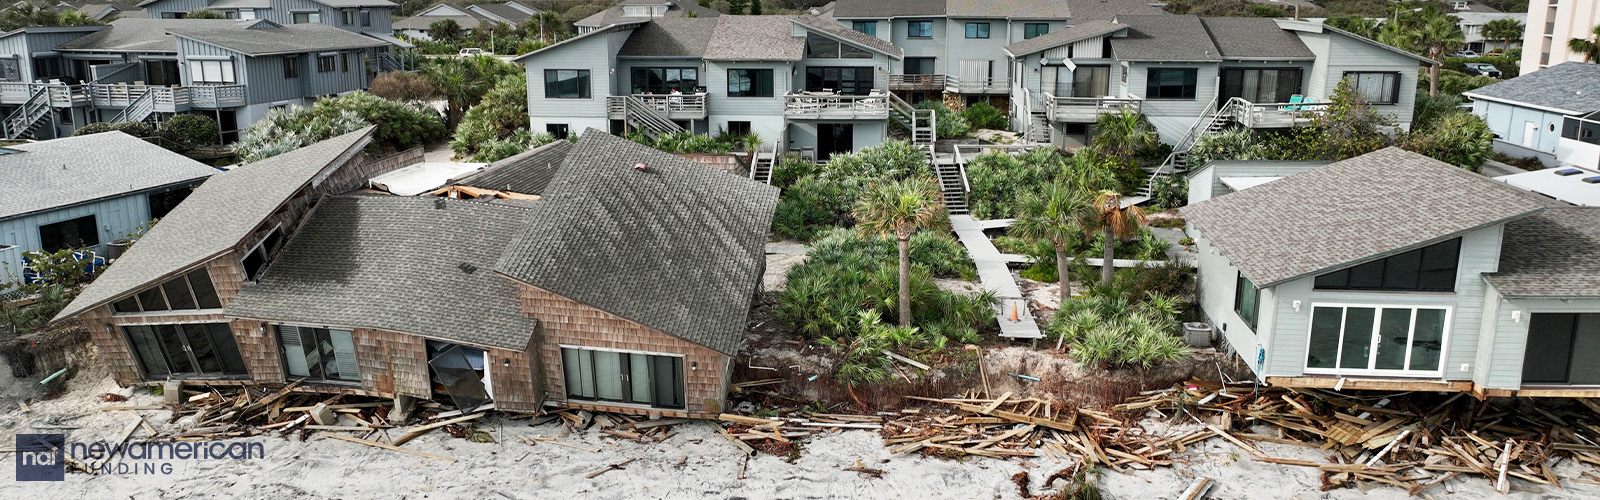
{"x":1075,"y":33}
{"x":266,"y":38}
{"x":755,"y":38}
{"x":1165,"y":38}
{"x":1107,"y":10}
{"x":614,"y":15}
{"x":72,"y":170}
{"x":880,"y":9}
{"x":1551,"y":255}
{"x":397,"y":263}
{"x":1009,"y":9}
{"x":350,"y":4}
{"x":132,"y":34}
{"x":668,"y":37}
{"x":424,"y":22}
{"x":677,"y":247}
{"x":504,"y":11}
{"x":217,"y":216}
{"x":526,"y":173}
{"x":1350,"y":211}
{"x":1570,"y":87}
{"x":630,"y":25}
{"x":831,"y":27}
{"x":1255,"y":38}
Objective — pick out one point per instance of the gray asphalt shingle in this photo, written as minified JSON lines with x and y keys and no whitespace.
{"x":613,"y":15}
{"x":882,"y":9}
{"x":526,"y":173}
{"x":266,"y":38}
{"x":71,"y":170}
{"x":1075,"y":33}
{"x":1009,"y":9}
{"x":1107,"y":10}
{"x":1165,"y":38}
{"x":1255,"y":38}
{"x":132,"y":34}
{"x":217,"y":216}
{"x":1551,"y":255}
{"x":1569,"y":86}
{"x":1351,"y":211}
{"x":397,"y":263}
{"x":670,"y":37}
{"x":677,"y":247}
{"x":755,"y":38}
{"x":832,"y":27}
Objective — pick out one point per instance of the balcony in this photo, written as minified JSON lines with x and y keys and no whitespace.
{"x":168,"y":99}
{"x":1276,"y":115}
{"x":831,"y":106}
{"x":1085,"y":109}
{"x":917,"y":82}
{"x":673,"y":107}
{"x":992,"y":85}
{"x":61,"y":95}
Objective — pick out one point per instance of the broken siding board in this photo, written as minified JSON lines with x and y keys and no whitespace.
{"x":566,"y":322}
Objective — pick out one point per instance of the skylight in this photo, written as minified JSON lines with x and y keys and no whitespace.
{"x":1592,"y":180}
{"x":1568,"y":171}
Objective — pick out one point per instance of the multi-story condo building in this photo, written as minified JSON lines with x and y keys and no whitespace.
{"x":55,"y":80}
{"x":1551,"y":23}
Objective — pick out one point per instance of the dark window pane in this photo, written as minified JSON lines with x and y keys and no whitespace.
{"x":227,"y":349}
{"x":1171,"y":83}
{"x":1323,"y":349}
{"x":1549,"y":349}
{"x":1439,"y":265}
{"x":148,"y":349}
{"x":1394,"y":332}
{"x":667,"y":377}
{"x":253,"y":264}
{"x":311,"y":344}
{"x":1246,"y":300}
{"x":821,"y":47}
{"x":178,"y":294}
{"x":151,"y":299}
{"x":162,"y":203}
{"x":1336,"y":279}
{"x":127,"y":305}
{"x":640,"y":389}
{"x":1367,"y":276}
{"x":172,"y":343}
{"x":848,"y":51}
{"x":1400,"y":271}
{"x":75,"y":233}
{"x":200,"y":344}
{"x":1427,"y":341}
{"x":1356,"y":348}
{"x":204,"y":293}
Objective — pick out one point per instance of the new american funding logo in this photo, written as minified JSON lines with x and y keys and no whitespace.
{"x":44,"y":457}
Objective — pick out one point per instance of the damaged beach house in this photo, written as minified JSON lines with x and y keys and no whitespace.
{"x":624,"y":287}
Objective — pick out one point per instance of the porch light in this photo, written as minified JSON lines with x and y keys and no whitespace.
{"x":694,"y":365}
{"x":1516,"y":316}
{"x":505,"y":362}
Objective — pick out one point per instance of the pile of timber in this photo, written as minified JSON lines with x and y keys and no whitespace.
{"x":617,"y":425}
{"x":777,"y":435}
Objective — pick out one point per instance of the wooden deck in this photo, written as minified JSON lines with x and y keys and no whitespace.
{"x":996,"y":277}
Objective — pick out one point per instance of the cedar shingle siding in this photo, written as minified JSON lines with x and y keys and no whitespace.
{"x":391,"y":362}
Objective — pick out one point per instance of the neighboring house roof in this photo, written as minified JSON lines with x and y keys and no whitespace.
{"x":1351,"y":211}
{"x":830,"y":27}
{"x":755,"y":38}
{"x":215,"y":217}
{"x":133,"y":34}
{"x":1569,"y":88}
{"x":1551,"y":255}
{"x":424,"y":22}
{"x":240,"y":4}
{"x":1107,"y":10}
{"x":526,"y":173}
{"x":677,"y":247}
{"x":1074,"y":33}
{"x":879,"y":9}
{"x":1009,"y":9}
{"x":1256,"y":38}
{"x":61,"y":172}
{"x":670,"y":37}
{"x":1568,"y":184}
{"x":503,"y":11}
{"x":351,"y":4}
{"x":422,"y":266}
{"x":1165,"y":38}
{"x":260,"y":37}
{"x":613,"y":15}
{"x":608,"y":29}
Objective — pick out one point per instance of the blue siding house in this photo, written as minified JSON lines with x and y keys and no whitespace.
{"x":85,"y":192}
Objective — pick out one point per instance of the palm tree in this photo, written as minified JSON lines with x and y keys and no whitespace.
{"x":1504,"y":30}
{"x":900,"y":208}
{"x":1122,"y":135}
{"x":1053,"y":215}
{"x":1589,"y":49}
{"x":1116,"y":222}
{"x":1438,"y":34}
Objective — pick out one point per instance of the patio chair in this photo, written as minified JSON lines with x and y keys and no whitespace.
{"x":1294,"y":99}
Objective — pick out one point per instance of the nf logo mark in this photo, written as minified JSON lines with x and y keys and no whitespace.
{"x":41,"y":457}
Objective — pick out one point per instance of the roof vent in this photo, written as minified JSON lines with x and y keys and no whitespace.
{"x":1568,"y":171}
{"x":467,"y":268}
{"x":1592,"y":180}
{"x":438,"y":203}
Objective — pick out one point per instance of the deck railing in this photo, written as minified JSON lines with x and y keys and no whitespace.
{"x":167,"y":99}
{"x":1085,"y":109}
{"x":1278,"y":115}
{"x":679,"y":106}
{"x":989,"y":85}
{"x":829,"y":105}
{"x":916,"y":82}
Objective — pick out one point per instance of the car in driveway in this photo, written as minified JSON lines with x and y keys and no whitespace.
{"x":1484,"y":69}
{"x":472,"y":51}
{"x":1465,"y":53}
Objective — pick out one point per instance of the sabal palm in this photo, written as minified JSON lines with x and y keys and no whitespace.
{"x":1055,"y":215}
{"x":1589,"y":48}
{"x":1504,"y":30}
{"x":1116,"y":222}
{"x":1123,"y":134}
{"x":900,"y":208}
{"x":1439,"y":35}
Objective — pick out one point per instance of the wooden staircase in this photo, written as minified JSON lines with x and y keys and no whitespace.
{"x":1216,"y":119}
{"x":641,"y":116}
{"x":952,"y":184}
{"x":921,"y":122}
{"x":1038,"y":128}
{"x":27,"y":119}
{"x":139,"y":110}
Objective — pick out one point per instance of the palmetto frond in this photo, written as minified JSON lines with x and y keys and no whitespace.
{"x":898,"y":207}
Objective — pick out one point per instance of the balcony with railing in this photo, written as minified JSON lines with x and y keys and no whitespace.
{"x":61,"y":95}
{"x":671,"y":106}
{"x":1085,"y":109}
{"x":1277,"y":115}
{"x":985,"y":85}
{"x":831,"y":106}
{"x":917,"y":82}
{"x":168,"y":99}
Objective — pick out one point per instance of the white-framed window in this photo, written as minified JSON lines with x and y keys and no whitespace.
{"x":211,"y":72}
{"x":247,"y":13}
{"x":1377,"y":339}
{"x":320,"y":354}
{"x":307,"y":17}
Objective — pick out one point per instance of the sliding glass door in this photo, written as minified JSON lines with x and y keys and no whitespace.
{"x":1377,"y":340}
{"x":1563,"y":349}
{"x":318,"y":354}
{"x":623,"y":377}
{"x":199,"y":349}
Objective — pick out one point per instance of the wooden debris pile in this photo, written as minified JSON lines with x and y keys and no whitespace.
{"x":777,"y":435}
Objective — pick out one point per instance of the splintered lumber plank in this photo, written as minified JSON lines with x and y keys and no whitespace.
{"x":1015,"y":417}
{"x":609,"y":468}
{"x":1008,"y":435}
{"x":739,"y":387}
{"x":1502,"y":485}
{"x":741,"y":419}
{"x":415,"y":432}
{"x":376,"y":444}
{"x":906,"y":360}
{"x":842,"y":426}
{"x":996,"y":404}
{"x":348,"y":428}
{"x":1272,"y":439}
{"x":733,"y":439}
{"x":1236,"y":442}
{"x":1197,"y":490}
{"x":345,"y":406}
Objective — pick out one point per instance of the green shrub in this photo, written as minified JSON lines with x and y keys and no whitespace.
{"x":192,"y":130}
{"x":502,"y":113}
{"x":813,"y":204}
{"x":137,"y":129}
{"x":997,"y":179}
{"x":399,"y":126}
{"x":947,"y":124}
{"x":1112,"y":330}
{"x":506,"y":147}
{"x":1170,"y":191}
{"x":891,"y":160}
{"x":819,"y":197}
{"x":984,"y":116}
{"x":1459,"y":138}
{"x":791,"y":168}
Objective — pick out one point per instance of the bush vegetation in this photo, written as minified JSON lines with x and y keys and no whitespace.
{"x":1110,"y":330}
{"x":984,"y":116}
{"x":818,"y":197}
{"x":947,"y":124}
{"x":399,"y":126}
{"x":498,"y":124}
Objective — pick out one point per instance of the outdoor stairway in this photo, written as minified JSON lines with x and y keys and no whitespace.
{"x":387,"y":62}
{"x":1213,"y":121}
{"x":951,"y":185}
{"x":996,"y":277}
{"x":921,"y":122}
{"x":761,"y":168}
{"x":29,"y":117}
{"x":642,"y":116}
{"x":139,"y":110}
{"x":1038,"y":128}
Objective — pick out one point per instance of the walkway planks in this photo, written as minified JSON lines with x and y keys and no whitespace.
{"x":996,"y":277}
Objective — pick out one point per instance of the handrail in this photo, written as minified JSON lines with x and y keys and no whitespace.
{"x":138,"y":109}
{"x":36,"y":107}
{"x":689,"y":103}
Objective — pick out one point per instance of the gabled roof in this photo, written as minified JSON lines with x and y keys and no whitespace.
{"x":1072,"y":34}
{"x":755,"y":38}
{"x":1568,"y":88}
{"x":831,"y":28}
{"x":677,"y":247}
{"x":351,"y":4}
{"x":1009,"y":9}
{"x":630,"y":25}
{"x":1352,"y":211}
{"x":526,"y":173}
{"x":260,"y":38}
{"x":1318,"y":27}
{"x":422,"y":266}
{"x":1255,"y":38}
{"x":1165,"y":38}
{"x":613,"y":15}
{"x":134,"y":34}
{"x":217,"y":216}
{"x":1551,"y":255}
{"x":503,"y":11}
{"x":670,"y":37}
{"x":880,"y":9}
{"x":424,"y":22}
{"x":1106,"y":10}
{"x":62,"y":172}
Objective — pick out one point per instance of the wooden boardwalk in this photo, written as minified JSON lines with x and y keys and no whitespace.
{"x":996,"y":277}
